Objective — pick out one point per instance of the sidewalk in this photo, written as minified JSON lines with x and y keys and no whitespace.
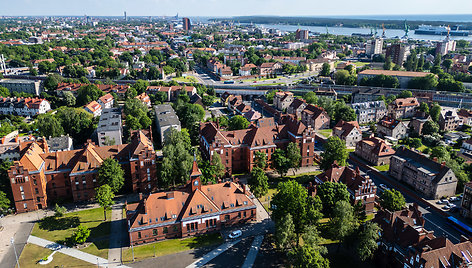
{"x":116,"y":238}
{"x":69,"y":251}
{"x":252,"y":254}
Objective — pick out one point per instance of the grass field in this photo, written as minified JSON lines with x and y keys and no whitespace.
{"x":382,"y":168}
{"x":32,"y":254}
{"x":267,"y":197}
{"x":98,"y":248}
{"x":58,"y":229}
{"x":268,"y":84}
{"x":171,"y":246}
{"x":325,"y":132}
{"x":186,"y":79}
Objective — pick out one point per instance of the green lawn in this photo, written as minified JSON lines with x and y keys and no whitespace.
{"x":171,"y":246}
{"x":98,"y":248}
{"x":186,"y":79}
{"x":350,"y":150}
{"x":325,"y":132}
{"x":267,"y":197}
{"x":382,"y":168}
{"x":31,"y":254}
{"x":262,"y":79}
{"x":58,"y":229}
{"x":361,"y":64}
{"x":268,"y":84}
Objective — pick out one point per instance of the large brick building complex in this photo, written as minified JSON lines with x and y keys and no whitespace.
{"x":194,"y":209}
{"x":237,"y":148}
{"x":41,"y":175}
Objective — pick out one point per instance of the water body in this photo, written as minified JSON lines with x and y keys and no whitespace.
{"x":390,"y":33}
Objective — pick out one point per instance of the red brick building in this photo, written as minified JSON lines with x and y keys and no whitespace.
{"x":40,"y":175}
{"x":375,"y":151}
{"x":362,"y":189}
{"x":237,"y":148}
{"x":316,"y":117}
{"x":192,"y":210}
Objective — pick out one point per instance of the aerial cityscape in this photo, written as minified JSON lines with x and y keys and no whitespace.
{"x":235,"y":134}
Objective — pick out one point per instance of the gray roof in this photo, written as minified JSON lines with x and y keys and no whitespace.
{"x":368,"y":105}
{"x":59,"y":143}
{"x":110,"y":120}
{"x":165,"y":115}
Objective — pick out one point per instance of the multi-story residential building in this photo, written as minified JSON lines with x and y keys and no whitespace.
{"x":374,"y":47}
{"x":60,"y":144}
{"x":301,"y":34}
{"x":26,"y":86}
{"x":94,"y":108}
{"x":445,"y":46}
{"x":270,"y":68}
{"x":371,"y":111}
{"x":106,"y":101}
{"x":398,"y":53}
{"x":246,"y":70}
{"x":362,"y":189}
{"x":389,"y":127}
{"x":466,"y":148}
{"x":41,"y":176}
{"x":166,"y":119}
{"x":432,"y":179}
{"x":361,"y":94}
{"x":316,"y":117}
{"x":172,"y":91}
{"x":465,"y":116}
{"x":448,"y":119}
{"x":24,"y":106}
{"x":349,"y":132}
{"x":297,"y":107}
{"x":316,"y":65}
{"x":110,"y":130}
{"x":187,"y":26}
{"x":192,"y":210}
{"x":282,"y":100}
{"x":237,"y":148}
{"x":375,"y":151}
{"x":403,"y":108}
{"x":144,"y":98}
{"x":417,"y":123}
{"x":466,"y":203}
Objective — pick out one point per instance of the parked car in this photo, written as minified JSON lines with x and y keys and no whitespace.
{"x":439,"y":202}
{"x":446,"y":207}
{"x":383,"y":187}
{"x":452,"y":205}
{"x":235,"y":234}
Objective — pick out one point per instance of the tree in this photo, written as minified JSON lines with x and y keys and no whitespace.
{"x":217,"y":166}
{"x":52,"y":81}
{"x":310,"y":97}
{"x":87,"y":94}
{"x":343,"y":77}
{"x":104,"y":196}
{"x":280,"y":162}
{"x":81,"y":234}
{"x":308,"y":257}
{"x":258,"y":182}
{"x":69,"y":98}
{"x":4,"y":202}
{"x":447,"y":63}
{"x":294,"y":156}
{"x":428,"y":82}
{"x":238,"y":122}
{"x":344,"y":112}
{"x":342,"y":223}
{"x":334,"y":150}
{"x":325,"y":70}
{"x":111,"y":173}
{"x":285,"y":232}
{"x":59,"y":211}
{"x":367,"y":240}
{"x":392,"y":200}
{"x":415,"y":142}
{"x":292,"y":198}
{"x":177,"y":160}
{"x":435,"y":111}
{"x":208,"y":100}
{"x":330,"y":193}
{"x":140,"y":86}
{"x":260,"y":159}
{"x":49,"y":126}
{"x":430,"y":128}
{"x":405,"y":94}
{"x":388,"y":64}
{"x":424,"y":108}
{"x":4,"y":92}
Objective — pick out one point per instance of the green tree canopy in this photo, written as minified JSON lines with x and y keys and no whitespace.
{"x":367,"y":240}
{"x":280,"y":162}
{"x":334,"y":150}
{"x":260,"y":159}
{"x":87,"y":94}
{"x":238,"y":122}
{"x":330,"y":193}
{"x":435,"y":111}
{"x":430,"y":128}
{"x":392,"y":200}
{"x":177,"y":160}
{"x":294,"y":156}
{"x":112,"y":174}
{"x":81,"y":234}
{"x":49,"y":126}
{"x":310,"y":97}
{"x":342,"y":222}
{"x":104,"y":196}
{"x":258,"y":182}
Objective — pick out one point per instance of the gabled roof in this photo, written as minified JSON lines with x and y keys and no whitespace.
{"x":405,"y":102}
{"x":345,"y":128}
{"x":377,"y":146}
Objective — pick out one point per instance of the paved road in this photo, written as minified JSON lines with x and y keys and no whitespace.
{"x":433,"y":220}
{"x":233,"y":257}
{"x":117,"y":233}
{"x":253,"y":251}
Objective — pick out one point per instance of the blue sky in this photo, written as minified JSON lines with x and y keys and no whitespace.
{"x":232,"y":7}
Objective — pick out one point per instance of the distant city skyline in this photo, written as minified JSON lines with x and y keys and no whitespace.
{"x":219,"y":8}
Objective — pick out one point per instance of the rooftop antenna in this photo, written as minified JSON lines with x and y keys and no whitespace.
{"x":407,"y":29}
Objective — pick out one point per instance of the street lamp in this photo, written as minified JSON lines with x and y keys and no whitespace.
{"x":14,"y":249}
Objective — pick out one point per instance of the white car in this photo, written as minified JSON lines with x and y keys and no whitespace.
{"x":235,"y":234}
{"x":439,"y":202}
{"x":446,"y":207}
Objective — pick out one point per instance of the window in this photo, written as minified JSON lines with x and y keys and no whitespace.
{"x":25,"y":205}
{"x":226,"y":217}
{"x":139,"y":235}
{"x":166,"y":230}
{"x":244,"y":214}
{"x":36,"y":183}
{"x":154,"y":232}
{"x":21,"y":188}
{"x":174,"y":228}
{"x":36,"y":191}
{"x":239,"y":214}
